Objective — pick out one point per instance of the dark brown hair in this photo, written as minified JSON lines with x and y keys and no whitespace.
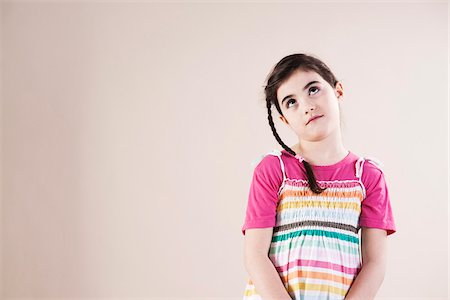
{"x":280,"y":73}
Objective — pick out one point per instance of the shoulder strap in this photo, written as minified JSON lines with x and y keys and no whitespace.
{"x":371,"y":159}
{"x":375,"y":162}
{"x":276,"y":153}
{"x":359,"y":168}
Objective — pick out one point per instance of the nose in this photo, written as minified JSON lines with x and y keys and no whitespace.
{"x":309,"y":110}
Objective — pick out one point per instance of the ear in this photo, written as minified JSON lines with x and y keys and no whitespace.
{"x":339,"y":90}
{"x":283,"y":119}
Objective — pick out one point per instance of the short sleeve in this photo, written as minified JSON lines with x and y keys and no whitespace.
{"x":263,"y":194}
{"x":376,"y":210}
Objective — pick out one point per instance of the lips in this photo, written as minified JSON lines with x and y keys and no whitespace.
{"x":313,"y":118}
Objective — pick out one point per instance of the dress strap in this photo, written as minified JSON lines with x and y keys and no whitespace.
{"x":278,"y":153}
{"x":359,"y":168}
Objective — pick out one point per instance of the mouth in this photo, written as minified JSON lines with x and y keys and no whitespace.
{"x":315,"y":118}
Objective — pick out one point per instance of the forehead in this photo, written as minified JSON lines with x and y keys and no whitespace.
{"x":296,"y":82}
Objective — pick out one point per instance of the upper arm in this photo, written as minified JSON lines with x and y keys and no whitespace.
{"x":374,"y":245}
{"x":376,"y":209}
{"x":257,"y":242}
{"x":263,"y":194}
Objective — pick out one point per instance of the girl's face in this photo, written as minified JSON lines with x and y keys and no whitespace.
{"x":306,"y":94}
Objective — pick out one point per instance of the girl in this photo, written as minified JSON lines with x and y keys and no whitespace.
{"x":307,"y":202}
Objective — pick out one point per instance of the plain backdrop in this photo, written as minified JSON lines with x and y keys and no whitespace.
{"x":128,"y":130}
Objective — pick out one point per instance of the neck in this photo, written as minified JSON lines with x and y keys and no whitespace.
{"x":322,"y":152}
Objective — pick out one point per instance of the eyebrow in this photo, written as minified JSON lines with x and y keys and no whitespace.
{"x":306,"y":86}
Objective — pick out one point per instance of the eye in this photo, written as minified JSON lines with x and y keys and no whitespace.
{"x":314,"y":87}
{"x":311,"y":88}
{"x":287,"y":103}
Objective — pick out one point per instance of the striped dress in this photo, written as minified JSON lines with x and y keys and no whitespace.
{"x":315,"y":244}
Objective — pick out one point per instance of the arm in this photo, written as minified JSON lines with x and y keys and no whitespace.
{"x":374,"y":257}
{"x":258,"y":265}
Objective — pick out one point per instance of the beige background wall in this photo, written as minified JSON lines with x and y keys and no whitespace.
{"x":127,"y":132}
{"x":1,"y":154}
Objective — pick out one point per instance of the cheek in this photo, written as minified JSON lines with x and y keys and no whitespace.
{"x":336,"y":113}
{"x":295,"y":120}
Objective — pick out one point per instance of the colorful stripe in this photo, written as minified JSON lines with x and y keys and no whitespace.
{"x":315,"y":245}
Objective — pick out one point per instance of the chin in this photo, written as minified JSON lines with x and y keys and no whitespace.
{"x":317,"y":136}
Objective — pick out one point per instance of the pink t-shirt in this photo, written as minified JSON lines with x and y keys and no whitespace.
{"x":376,"y":211}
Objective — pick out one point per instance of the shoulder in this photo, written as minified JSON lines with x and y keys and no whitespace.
{"x":372,"y":165}
{"x":372,"y":171}
{"x":270,"y":158}
{"x":268,"y":164}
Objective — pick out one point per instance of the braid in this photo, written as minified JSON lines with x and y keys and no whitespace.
{"x":274,"y":131}
{"x":309,"y":172}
